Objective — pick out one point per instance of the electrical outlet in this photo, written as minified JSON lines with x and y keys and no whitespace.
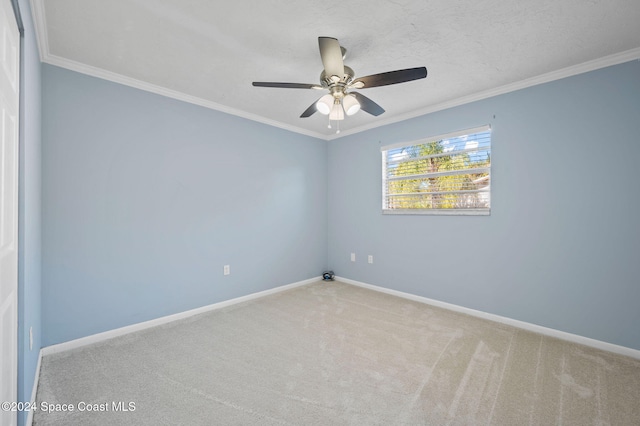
{"x":227,"y":269}
{"x":353,"y":257}
{"x":370,"y":259}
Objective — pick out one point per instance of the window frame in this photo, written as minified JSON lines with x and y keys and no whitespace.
{"x":483,"y":211}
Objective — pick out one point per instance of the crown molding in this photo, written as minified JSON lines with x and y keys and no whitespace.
{"x":174,"y":94}
{"x":38,"y":11}
{"x":37,"y":8}
{"x":40,"y":26}
{"x":606,"y":61}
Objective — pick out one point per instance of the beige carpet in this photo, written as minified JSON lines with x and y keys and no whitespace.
{"x":336,"y":354}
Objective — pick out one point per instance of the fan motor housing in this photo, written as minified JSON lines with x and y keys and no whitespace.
{"x":328,"y":82}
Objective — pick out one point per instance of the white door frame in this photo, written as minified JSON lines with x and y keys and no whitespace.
{"x":9,"y":147}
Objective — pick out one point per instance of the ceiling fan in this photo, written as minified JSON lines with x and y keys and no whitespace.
{"x":339,"y":80}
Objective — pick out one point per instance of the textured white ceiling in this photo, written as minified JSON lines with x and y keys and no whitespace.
{"x":209,"y":52}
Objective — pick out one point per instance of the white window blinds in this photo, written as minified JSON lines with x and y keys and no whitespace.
{"x":446,"y":174}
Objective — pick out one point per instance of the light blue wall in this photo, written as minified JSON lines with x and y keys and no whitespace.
{"x":562,"y":245}
{"x":145,"y":199}
{"x":29,"y":234}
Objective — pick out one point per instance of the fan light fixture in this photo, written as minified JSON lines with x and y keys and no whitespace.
{"x":350,"y":104}
{"x":336,"y":108}
{"x":325,"y":104}
{"x":337,"y":113}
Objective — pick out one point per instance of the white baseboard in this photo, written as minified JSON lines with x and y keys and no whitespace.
{"x":610,"y":347}
{"x":34,"y":390}
{"x":83,"y":341}
{"x":99,"y":337}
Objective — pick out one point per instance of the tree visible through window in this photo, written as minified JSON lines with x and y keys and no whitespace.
{"x":448,"y":174}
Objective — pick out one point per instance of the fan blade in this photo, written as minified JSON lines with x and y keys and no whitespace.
{"x":367,"y":105}
{"x":331,"y":55}
{"x":309,"y":111}
{"x":286,"y":85}
{"x":391,"y":77}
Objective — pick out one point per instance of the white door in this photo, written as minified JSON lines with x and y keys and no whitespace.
{"x":9,"y":86}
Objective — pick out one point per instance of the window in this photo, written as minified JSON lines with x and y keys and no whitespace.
{"x":447,"y":174}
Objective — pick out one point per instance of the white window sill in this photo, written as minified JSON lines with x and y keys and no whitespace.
{"x":440,"y":212}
